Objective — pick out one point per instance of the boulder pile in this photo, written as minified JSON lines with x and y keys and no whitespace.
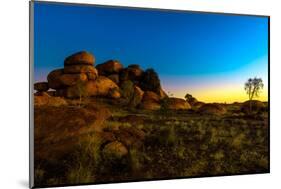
{"x":81,"y":78}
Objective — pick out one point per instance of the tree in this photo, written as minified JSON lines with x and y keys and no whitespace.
{"x":190,"y":99}
{"x":82,"y":91}
{"x":253,"y":88}
{"x":150,"y":81}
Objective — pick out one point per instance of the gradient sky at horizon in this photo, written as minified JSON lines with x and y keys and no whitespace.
{"x":207,"y":55}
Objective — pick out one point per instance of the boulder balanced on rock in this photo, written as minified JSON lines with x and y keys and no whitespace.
{"x":80,"y":58}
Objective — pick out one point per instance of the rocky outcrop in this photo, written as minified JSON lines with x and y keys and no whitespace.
{"x":151,"y":96}
{"x":114,"y":150}
{"x":215,"y":109}
{"x":109,"y":67}
{"x":177,"y":104}
{"x":114,"y":78}
{"x":72,"y":79}
{"x":197,"y":104}
{"x":53,"y":78}
{"x":41,"y":86}
{"x":251,"y":106}
{"x":150,"y":101}
{"x":79,"y":78}
{"x":137,"y":97}
{"x":44,"y":99}
{"x":80,"y":58}
{"x":102,"y":86}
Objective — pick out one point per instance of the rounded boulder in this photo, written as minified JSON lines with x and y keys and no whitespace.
{"x":252,"y":106}
{"x":53,"y":78}
{"x":102,"y":86}
{"x":213,"y":109}
{"x":109,"y":67}
{"x":177,"y":104}
{"x":114,"y":150}
{"x":80,"y":58}
{"x":41,"y":86}
{"x":73,"y":79}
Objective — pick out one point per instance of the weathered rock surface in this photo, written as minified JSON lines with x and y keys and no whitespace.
{"x":252,"y":106}
{"x":215,"y":109}
{"x":53,"y":78}
{"x":137,"y":97}
{"x":72,"y":79}
{"x":131,"y":73}
{"x":114,"y":77}
{"x":99,"y":87}
{"x":115,"y":150}
{"x":41,"y":86}
{"x":79,"y":58}
{"x":109,"y":67}
{"x":150,"y":96}
{"x":44,"y":99}
{"x":150,"y":101}
{"x":74,"y":69}
{"x":177,"y":104}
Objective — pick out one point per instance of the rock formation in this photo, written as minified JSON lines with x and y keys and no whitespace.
{"x":79,"y":78}
{"x":41,"y":86}
{"x":252,"y":106}
{"x":212,"y":109}
{"x":177,"y":104}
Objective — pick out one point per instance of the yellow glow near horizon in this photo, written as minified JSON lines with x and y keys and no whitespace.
{"x":222,"y":94}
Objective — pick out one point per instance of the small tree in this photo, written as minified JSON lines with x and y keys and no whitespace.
{"x":253,"y":88}
{"x":82,"y":91}
{"x":190,"y":99}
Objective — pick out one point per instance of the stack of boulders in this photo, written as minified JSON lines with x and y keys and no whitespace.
{"x":79,"y":78}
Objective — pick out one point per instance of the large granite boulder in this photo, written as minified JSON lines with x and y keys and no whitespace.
{"x":109,"y":67}
{"x":53,"y":78}
{"x":150,"y":96}
{"x":252,"y":106}
{"x":114,"y":77}
{"x":133,"y":73}
{"x":212,"y":109}
{"x":80,"y":58}
{"x":150,"y":101}
{"x":44,"y":99}
{"x":137,"y":97}
{"x":73,"y":79}
{"x":41,"y":86}
{"x":102,"y":86}
{"x":176,"y":104}
{"x":147,"y":105}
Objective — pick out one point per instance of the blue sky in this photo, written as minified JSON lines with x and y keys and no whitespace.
{"x":190,"y":51}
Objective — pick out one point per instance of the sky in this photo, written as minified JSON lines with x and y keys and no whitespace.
{"x":207,"y":55}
